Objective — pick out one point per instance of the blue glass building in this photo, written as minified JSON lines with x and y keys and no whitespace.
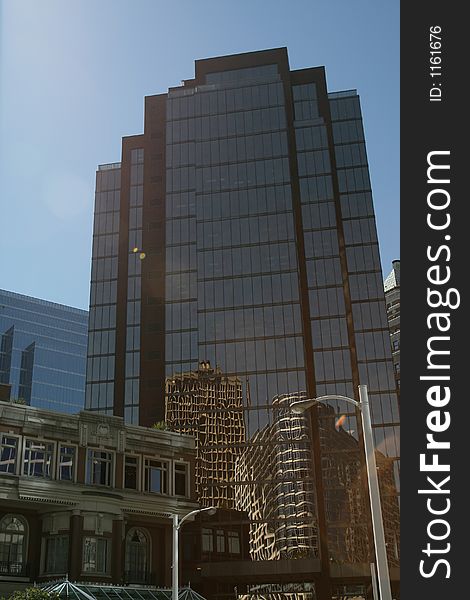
{"x":238,"y":231}
{"x":43,"y":351}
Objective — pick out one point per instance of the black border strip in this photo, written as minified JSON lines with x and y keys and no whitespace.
{"x":431,"y":123}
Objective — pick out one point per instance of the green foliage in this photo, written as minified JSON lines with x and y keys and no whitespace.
{"x":33,"y":593}
{"x":161,"y":425}
{"x":18,"y":400}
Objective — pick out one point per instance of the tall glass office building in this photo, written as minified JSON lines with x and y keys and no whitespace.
{"x":43,"y":352}
{"x":247,"y":241}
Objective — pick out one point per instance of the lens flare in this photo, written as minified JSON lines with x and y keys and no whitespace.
{"x":142,"y":255}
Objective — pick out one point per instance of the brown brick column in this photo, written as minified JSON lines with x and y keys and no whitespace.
{"x":117,"y":551}
{"x":75,"y":553}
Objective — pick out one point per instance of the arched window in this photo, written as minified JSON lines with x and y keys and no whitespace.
{"x":137,"y":556}
{"x":13,"y":544}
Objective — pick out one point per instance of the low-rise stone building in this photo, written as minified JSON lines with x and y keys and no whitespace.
{"x":89,"y":497}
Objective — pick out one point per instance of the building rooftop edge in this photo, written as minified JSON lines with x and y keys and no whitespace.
{"x":43,"y":302}
{"x":342,"y":94}
{"x":87,"y":415}
{"x":392,"y":280}
{"x":109,"y":166}
{"x":277,"y":49}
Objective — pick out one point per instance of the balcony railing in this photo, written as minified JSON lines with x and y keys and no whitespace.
{"x":14,"y":569}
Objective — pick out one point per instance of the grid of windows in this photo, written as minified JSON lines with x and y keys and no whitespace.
{"x":136,"y":255}
{"x":365,"y":279}
{"x":369,"y":331}
{"x":331,"y":338}
{"x":232,"y":283}
{"x":103,"y":292}
{"x":232,"y":300}
{"x":231,"y":255}
{"x":43,"y":352}
{"x":56,"y":460}
{"x":6,"y":347}
{"x":26,"y":374}
{"x":332,"y":360}
{"x":305,"y":102}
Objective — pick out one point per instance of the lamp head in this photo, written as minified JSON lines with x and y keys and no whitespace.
{"x":302,"y":405}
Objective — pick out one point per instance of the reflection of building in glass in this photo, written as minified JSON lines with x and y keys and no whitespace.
{"x":249,"y":193}
{"x":209,"y":406}
{"x":392,"y":299}
{"x":343,"y":480}
{"x":275,"y":487}
{"x":286,"y":591}
{"x":390,"y":507}
{"x":43,"y":352}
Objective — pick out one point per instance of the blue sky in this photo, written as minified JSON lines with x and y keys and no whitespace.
{"x":73,"y":75}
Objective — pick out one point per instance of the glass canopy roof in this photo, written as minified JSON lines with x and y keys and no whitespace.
{"x":93,"y":591}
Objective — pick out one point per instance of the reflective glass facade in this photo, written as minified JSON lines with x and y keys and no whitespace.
{"x":43,"y":352}
{"x":100,"y":369}
{"x":232,"y":285}
{"x":261,"y":267}
{"x":134,"y":270}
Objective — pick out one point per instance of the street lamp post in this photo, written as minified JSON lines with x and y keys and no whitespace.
{"x":177,"y":522}
{"x":372,"y":479}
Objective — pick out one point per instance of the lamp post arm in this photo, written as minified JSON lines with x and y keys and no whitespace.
{"x":338,"y":397}
{"x":302,"y":405}
{"x":195,"y":512}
